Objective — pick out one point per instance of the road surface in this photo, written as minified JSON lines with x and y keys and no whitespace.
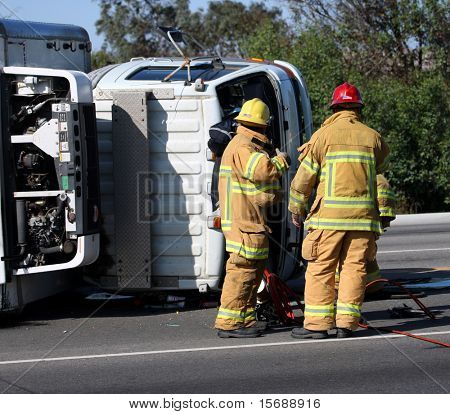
{"x":124,"y":348}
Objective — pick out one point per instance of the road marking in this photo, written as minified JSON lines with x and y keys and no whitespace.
{"x":212,"y":348}
{"x":407,"y":251}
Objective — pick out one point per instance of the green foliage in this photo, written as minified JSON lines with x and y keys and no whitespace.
{"x":131,"y":26}
{"x":405,"y":94}
{"x":396,"y":52}
{"x":414,"y":120}
{"x":101,"y":58}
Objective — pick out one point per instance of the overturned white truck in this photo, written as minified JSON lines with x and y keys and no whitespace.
{"x":49,"y":177}
{"x":160,"y":227}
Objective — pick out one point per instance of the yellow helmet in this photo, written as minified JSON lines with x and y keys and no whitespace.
{"x":254,"y":113}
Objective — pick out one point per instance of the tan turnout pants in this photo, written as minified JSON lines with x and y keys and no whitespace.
{"x":324,"y":250}
{"x":238,"y":300}
{"x":373,"y":273}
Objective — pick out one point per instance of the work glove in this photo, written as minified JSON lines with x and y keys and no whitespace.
{"x":297,"y":219}
{"x":285,"y":155}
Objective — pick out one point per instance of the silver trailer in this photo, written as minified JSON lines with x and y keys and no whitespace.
{"x":44,"y":45}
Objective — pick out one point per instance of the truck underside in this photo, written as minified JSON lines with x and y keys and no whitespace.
{"x":49,"y":183}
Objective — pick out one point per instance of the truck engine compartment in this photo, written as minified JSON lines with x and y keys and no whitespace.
{"x":42,"y":170}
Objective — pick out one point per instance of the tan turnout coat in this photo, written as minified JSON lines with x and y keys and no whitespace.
{"x":248,"y":183}
{"x":341,"y":162}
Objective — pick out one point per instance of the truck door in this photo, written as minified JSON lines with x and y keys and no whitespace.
{"x":298,"y":129}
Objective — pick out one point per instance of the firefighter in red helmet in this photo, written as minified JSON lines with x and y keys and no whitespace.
{"x":340,"y":162}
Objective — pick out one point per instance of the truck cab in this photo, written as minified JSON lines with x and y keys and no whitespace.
{"x":159,"y":224}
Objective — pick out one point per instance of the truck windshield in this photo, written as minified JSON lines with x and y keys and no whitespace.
{"x":206,"y":72}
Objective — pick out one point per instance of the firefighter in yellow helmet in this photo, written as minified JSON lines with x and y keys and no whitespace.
{"x":341,"y":162}
{"x":248,"y":183}
{"x":386,"y":207}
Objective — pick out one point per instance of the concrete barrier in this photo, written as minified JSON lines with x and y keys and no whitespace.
{"x":421,"y":219}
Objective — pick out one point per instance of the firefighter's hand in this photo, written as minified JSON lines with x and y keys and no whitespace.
{"x":297,"y":219}
{"x":285,"y":155}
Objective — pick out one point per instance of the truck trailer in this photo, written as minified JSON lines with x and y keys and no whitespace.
{"x":49,"y":177}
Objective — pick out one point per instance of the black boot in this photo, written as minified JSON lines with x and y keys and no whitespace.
{"x":302,"y":333}
{"x":250,"y":332}
{"x":260,"y":325}
{"x":344,"y":333}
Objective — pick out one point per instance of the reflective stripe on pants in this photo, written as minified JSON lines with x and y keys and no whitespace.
{"x":352,"y":249}
{"x":238,"y":300}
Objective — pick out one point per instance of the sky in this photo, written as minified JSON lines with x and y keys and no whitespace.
{"x":79,"y":12}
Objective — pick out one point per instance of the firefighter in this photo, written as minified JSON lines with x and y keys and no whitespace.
{"x":340,"y":162}
{"x":248,"y":183}
{"x":386,"y":207}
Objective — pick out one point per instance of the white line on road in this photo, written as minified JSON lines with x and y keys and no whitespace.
{"x":419,"y":250}
{"x":212,"y":348}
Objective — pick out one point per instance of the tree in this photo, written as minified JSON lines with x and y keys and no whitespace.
{"x":384,"y":36}
{"x":410,"y":109}
{"x":228,"y":23}
{"x":414,"y":120}
{"x":131,"y":26}
{"x":101,"y":58}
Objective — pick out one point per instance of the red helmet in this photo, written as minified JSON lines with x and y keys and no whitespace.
{"x":346,"y":94}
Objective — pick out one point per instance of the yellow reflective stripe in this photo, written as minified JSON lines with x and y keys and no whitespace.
{"x":334,"y":202}
{"x":387,"y":212}
{"x":323,"y":175}
{"x":296,"y":203}
{"x":362,"y":154}
{"x":351,"y":309}
{"x":367,"y":198}
{"x":297,"y":199}
{"x":297,"y":196}
{"x":388,"y":194}
{"x":329,"y":181}
{"x":225,"y":170}
{"x":344,"y":224}
{"x":246,"y":251}
{"x":278,"y":164}
{"x":253,"y":189}
{"x":237,"y":315}
{"x":250,"y":315}
{"x":224,"y":313}
{"x":310,"y":165}
{"x":351,"y":156}
{"x":251,"y":165}
{"x":225,"y":224}
{"x":319,"y":310}
{"x":371,"y":180}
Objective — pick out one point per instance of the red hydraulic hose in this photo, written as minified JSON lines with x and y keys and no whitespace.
{"x":394,"y":331}
{"x":408,"y":292}
{"x":282,"y":295}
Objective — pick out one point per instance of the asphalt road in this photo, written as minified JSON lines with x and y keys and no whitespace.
{"x":123,"y":348}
